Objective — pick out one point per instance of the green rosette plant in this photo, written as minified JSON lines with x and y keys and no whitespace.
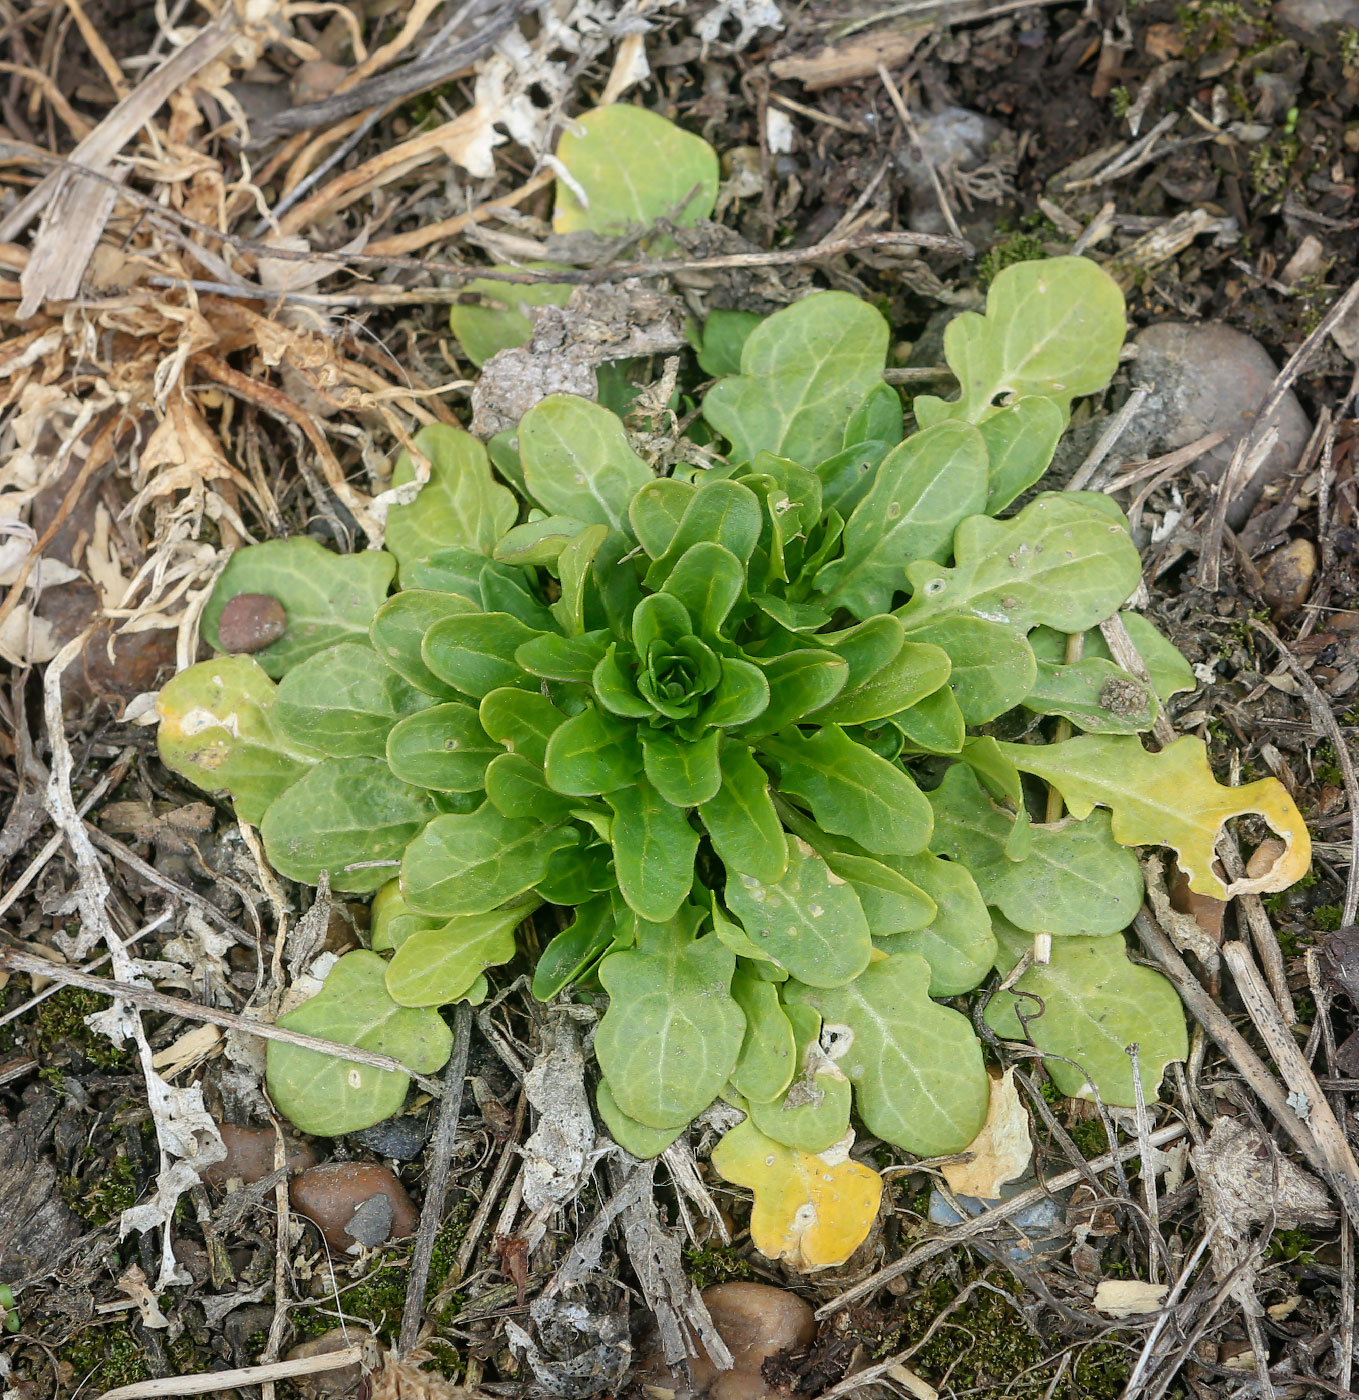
{"x":727,"y":737}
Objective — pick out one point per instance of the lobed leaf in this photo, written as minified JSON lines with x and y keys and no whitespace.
{"x":633,"y":1137}
{"x":653,"y":850}
{"x":768,"y":1057}
{"x":812,"y":1210}
{"x":501,"y":321}
{"x":1171,"y":799}
{"x":813,"y":1114}
{"x":437,"y":965}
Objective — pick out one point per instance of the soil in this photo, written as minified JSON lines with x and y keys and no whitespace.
{"x":1268,"y":164}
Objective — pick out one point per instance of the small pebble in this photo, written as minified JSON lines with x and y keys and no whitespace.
{"x":756,"y":1321}
{"x":340,"y":1383}
{"x":338,"y":1199}
{"x":250,"y":622}
{"x":401,"y":1138}
{"x":1287,"y":575}
{"x":250,"y":1155}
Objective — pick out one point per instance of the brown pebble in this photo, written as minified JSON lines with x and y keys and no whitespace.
{"x":345,"y":1380}
{"x":756,"y":1321}
{"x":1206,"y":911}
{"x":250,"y":622}
{"x":250,"y":1155}
{"x":1287,"y":574}
{"x":354,"y":1203}
{"x":315,"y":79}
{"x":1263,"y":857}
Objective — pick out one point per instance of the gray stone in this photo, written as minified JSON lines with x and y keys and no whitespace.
{"x":1314,"y":21}
{"x":1206,"y":377}
{"x":401,"y":1138}
{"x":951,"y":139}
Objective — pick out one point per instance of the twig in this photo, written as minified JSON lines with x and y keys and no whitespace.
{"x":908,"y":125}
{"x":590,"y":276}
{"x":12,"y":960}
{"x":1339,"y":1168}
{"x":494,"y":1187}
{"x":436,"y":1180}
{"x":1324,"y":717}
{"x":1125,"y":654}
{"x":1261,"y":930}
{"x":979,"y":1224}
{"x":1211,"y":558}
{"x":1246,"y":1062}
{"x":209,"y":1381}
{"x":1148,"y":1167}
{"x":1160,"y":467}
{"x":1111,"y":434}
{"x":918,"y":374}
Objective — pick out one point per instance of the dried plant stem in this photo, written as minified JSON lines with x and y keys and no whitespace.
{"x":12,"y":960}
{"x":231,"y":1380}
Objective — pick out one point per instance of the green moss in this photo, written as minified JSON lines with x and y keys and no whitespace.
{"x":60,"y":1031}
{"x":1271,"y":163}
{"x":716,"y":1263}
{"x":100,"y":1360}
{"x":1017,"y":248}
{"x":1326,"y":918}
{"x":1293,"y":1246}
{"x":985,"y":1347}
{"x":1090,"y":1137}
{"x":103,"y":1195}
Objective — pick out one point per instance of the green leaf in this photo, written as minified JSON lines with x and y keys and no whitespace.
{"x":592,"y":753}
{"x":575,"y":948}
{"x":344,"y":701}
{"x":672,"y":1034}
{"x":846,"y":476}
{"x":1059,"y":561}
{"x":1053,"y":327}
{"x":768,"y":1051}
{"x":538,"y":541}
{"x":574,"y":566}
{"x":720,"y":512}
{"x":724,"y":334}
{"x":398,"y":630}
{"x":921,"y":491}
{"x":1170,"y":673}
{"x":934,"y":724}
{"x":656,"y":511}
{"x":741,"y":696}
{"x":615,"y":685}
{"x":392,"y":920}
{"x":218,"y":729}
{"x":1095,"y":695}
{"x":707,"y":579}
{"x":957,"y":942}
{"x":330,"y":1097}
{"x":916,"y":1066}
{"x":799,"y":683}
{"x":1075,"y":879}
{"x":634,"y":168}
{"x":803,"y":372}
{"x":460,"y":505}
{"x":327,"y":597}
{"x":571,"y":659}
{"x":878,"y":418}
{"x":517,"y":787}
{"x":809,"y":921}
{"x":918,"y":669}
{"x":444,"y":748}
{"x":456,"y":571}
{"x":1169,"y":798}
{"x":685,"y":772}
{"x":522,"y":720}
{"x":439,"y":965}
{"x":653,"y":850}
{"x":866,"y":647}
{"x":891,"y":903}
{"x":740,"y":818}
{"x":633,"y":1137}
{"x":341,"y":813}
{"x":993,"y":667}
{"x":1088,"y":1004}
{"x":850,"y":790}
{"x":1020,"y":442}
{"x":474,"y":862}
{"x":475,"y":652}
{"x":813,"y":1114}
{"x":577,"y":460}
{"x":484,"y":330}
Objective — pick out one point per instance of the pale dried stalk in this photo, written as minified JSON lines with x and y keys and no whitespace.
{"x":230,"y":1380}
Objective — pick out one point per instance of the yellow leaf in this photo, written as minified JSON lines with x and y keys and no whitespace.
{"x":813,"y":1211}
{"x":1001,"y":1151}
{"x":1170,"y":799}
